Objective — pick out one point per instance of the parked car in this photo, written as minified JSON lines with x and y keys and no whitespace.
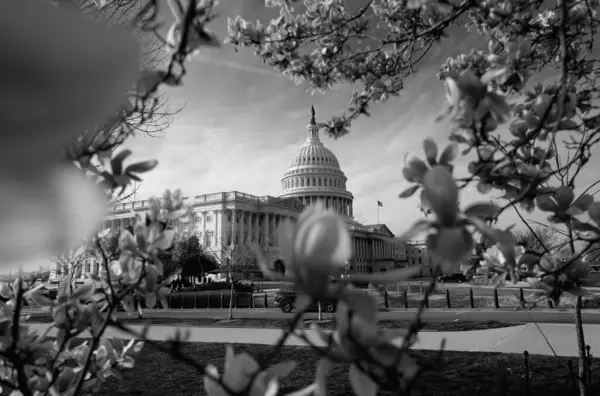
{"x":460,"y":278}
{"x":285,"y":299}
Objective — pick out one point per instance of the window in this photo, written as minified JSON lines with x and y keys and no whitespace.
{"x":229,"y":217}
{"x":420,"y":260}
{"x":314,"y":182}
{"x":208,"y":239}
{"x":209,"y":219}
{"x":308,"y":182}
{"x":319,"y":181}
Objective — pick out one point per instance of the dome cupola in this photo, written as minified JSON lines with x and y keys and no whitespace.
{"x":314,"y":174}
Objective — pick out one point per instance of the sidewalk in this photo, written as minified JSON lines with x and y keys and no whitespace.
{"x":505,"y":340}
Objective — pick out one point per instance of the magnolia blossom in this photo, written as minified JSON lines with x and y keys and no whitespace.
{"x":60,"y":75}
{"x":494,"y":260}
{"x":242,"y":371}
{"x":312,"y":250}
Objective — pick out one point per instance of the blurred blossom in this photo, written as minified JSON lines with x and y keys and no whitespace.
{"x":60,"y":75}
{"x":494,"y":260}
{"x":49,"y":216}
{"x":313,"y":249}
{"x":242,"y":371}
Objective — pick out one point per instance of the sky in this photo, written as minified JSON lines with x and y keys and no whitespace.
{"x":240,"y":123}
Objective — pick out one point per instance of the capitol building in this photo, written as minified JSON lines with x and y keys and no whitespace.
{"x":226,"y":221}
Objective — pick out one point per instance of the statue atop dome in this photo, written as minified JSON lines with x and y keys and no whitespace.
{"x":312,"y":119}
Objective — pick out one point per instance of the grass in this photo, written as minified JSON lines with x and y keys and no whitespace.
{"x":283,"y":323}
{"x":466,"y":374}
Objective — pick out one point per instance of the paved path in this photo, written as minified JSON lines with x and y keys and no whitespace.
{"x":433,"y":315}
{"x":505,"y":340}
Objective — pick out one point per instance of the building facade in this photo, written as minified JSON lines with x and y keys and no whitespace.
{"x":416,"y":255}
{"x":227,"y":220}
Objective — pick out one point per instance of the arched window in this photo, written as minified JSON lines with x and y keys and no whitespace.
{"x":308,"y":182}
{"x":279,"y":266}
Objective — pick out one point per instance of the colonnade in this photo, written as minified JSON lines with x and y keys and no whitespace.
{"x":341,"y":205}
{"x":366,"y":249}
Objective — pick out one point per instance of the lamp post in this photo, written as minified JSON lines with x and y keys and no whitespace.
{"x":347,"y":266}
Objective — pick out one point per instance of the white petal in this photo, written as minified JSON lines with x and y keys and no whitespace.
{"x":344,"y":246}
{"x":452,"y":91}
{"x":285,"y":240}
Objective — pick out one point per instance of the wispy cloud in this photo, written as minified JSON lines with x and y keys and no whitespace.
{"x":237,"y":66}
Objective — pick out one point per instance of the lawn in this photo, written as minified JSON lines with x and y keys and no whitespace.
{"x":283,"y":323}
{"x":465,"y":374}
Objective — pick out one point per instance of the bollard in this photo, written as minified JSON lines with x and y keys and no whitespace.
{"x":265,"y":300}
{"x":251,"y":300}
{"x":496,"y":301}
{"x":405,"y":299}
{"x":385,"y":299}
{"x":521,"y":296}
{"x":195,"y":301}
{"x":222,"y":301}
{"x":448,"y":305}
{"x":208,"y":301}
{"x":526,"y":356}
{"x":471,"y":299}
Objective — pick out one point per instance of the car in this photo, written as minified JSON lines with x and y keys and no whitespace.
{"x":286,"y":297}
{"x":460,"y":278}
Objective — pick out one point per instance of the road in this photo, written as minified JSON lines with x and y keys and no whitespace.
{"x":446,"y":315}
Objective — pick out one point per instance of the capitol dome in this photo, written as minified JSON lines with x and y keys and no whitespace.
{"x":314,"y":175}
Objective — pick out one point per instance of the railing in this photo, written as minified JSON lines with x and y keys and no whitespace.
{"x":207,"y":198}
{"x":401,"y":296}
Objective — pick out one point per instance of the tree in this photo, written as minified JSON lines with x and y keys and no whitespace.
{"x":237,"y":262}
{"x":552,"y":126}
{"x":192,"y":259}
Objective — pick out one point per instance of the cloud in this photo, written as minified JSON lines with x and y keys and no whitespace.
{"x":237,"y":66}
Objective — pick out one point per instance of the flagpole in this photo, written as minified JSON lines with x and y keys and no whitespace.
{"x":377,"y":212}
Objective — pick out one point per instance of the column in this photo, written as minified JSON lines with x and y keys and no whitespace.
{"x":266,"y":224}
{"x":242,"y":227}
{"x":233,"y":226}
{"x":255,"y":216}
{"x":218,"y":232}
{"x":276,"y":221}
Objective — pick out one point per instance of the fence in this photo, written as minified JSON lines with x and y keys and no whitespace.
{"x":404,"y":296}
{"x":411,"y":296}
{"x":206,"y":300}
{"x":570,"y":377}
